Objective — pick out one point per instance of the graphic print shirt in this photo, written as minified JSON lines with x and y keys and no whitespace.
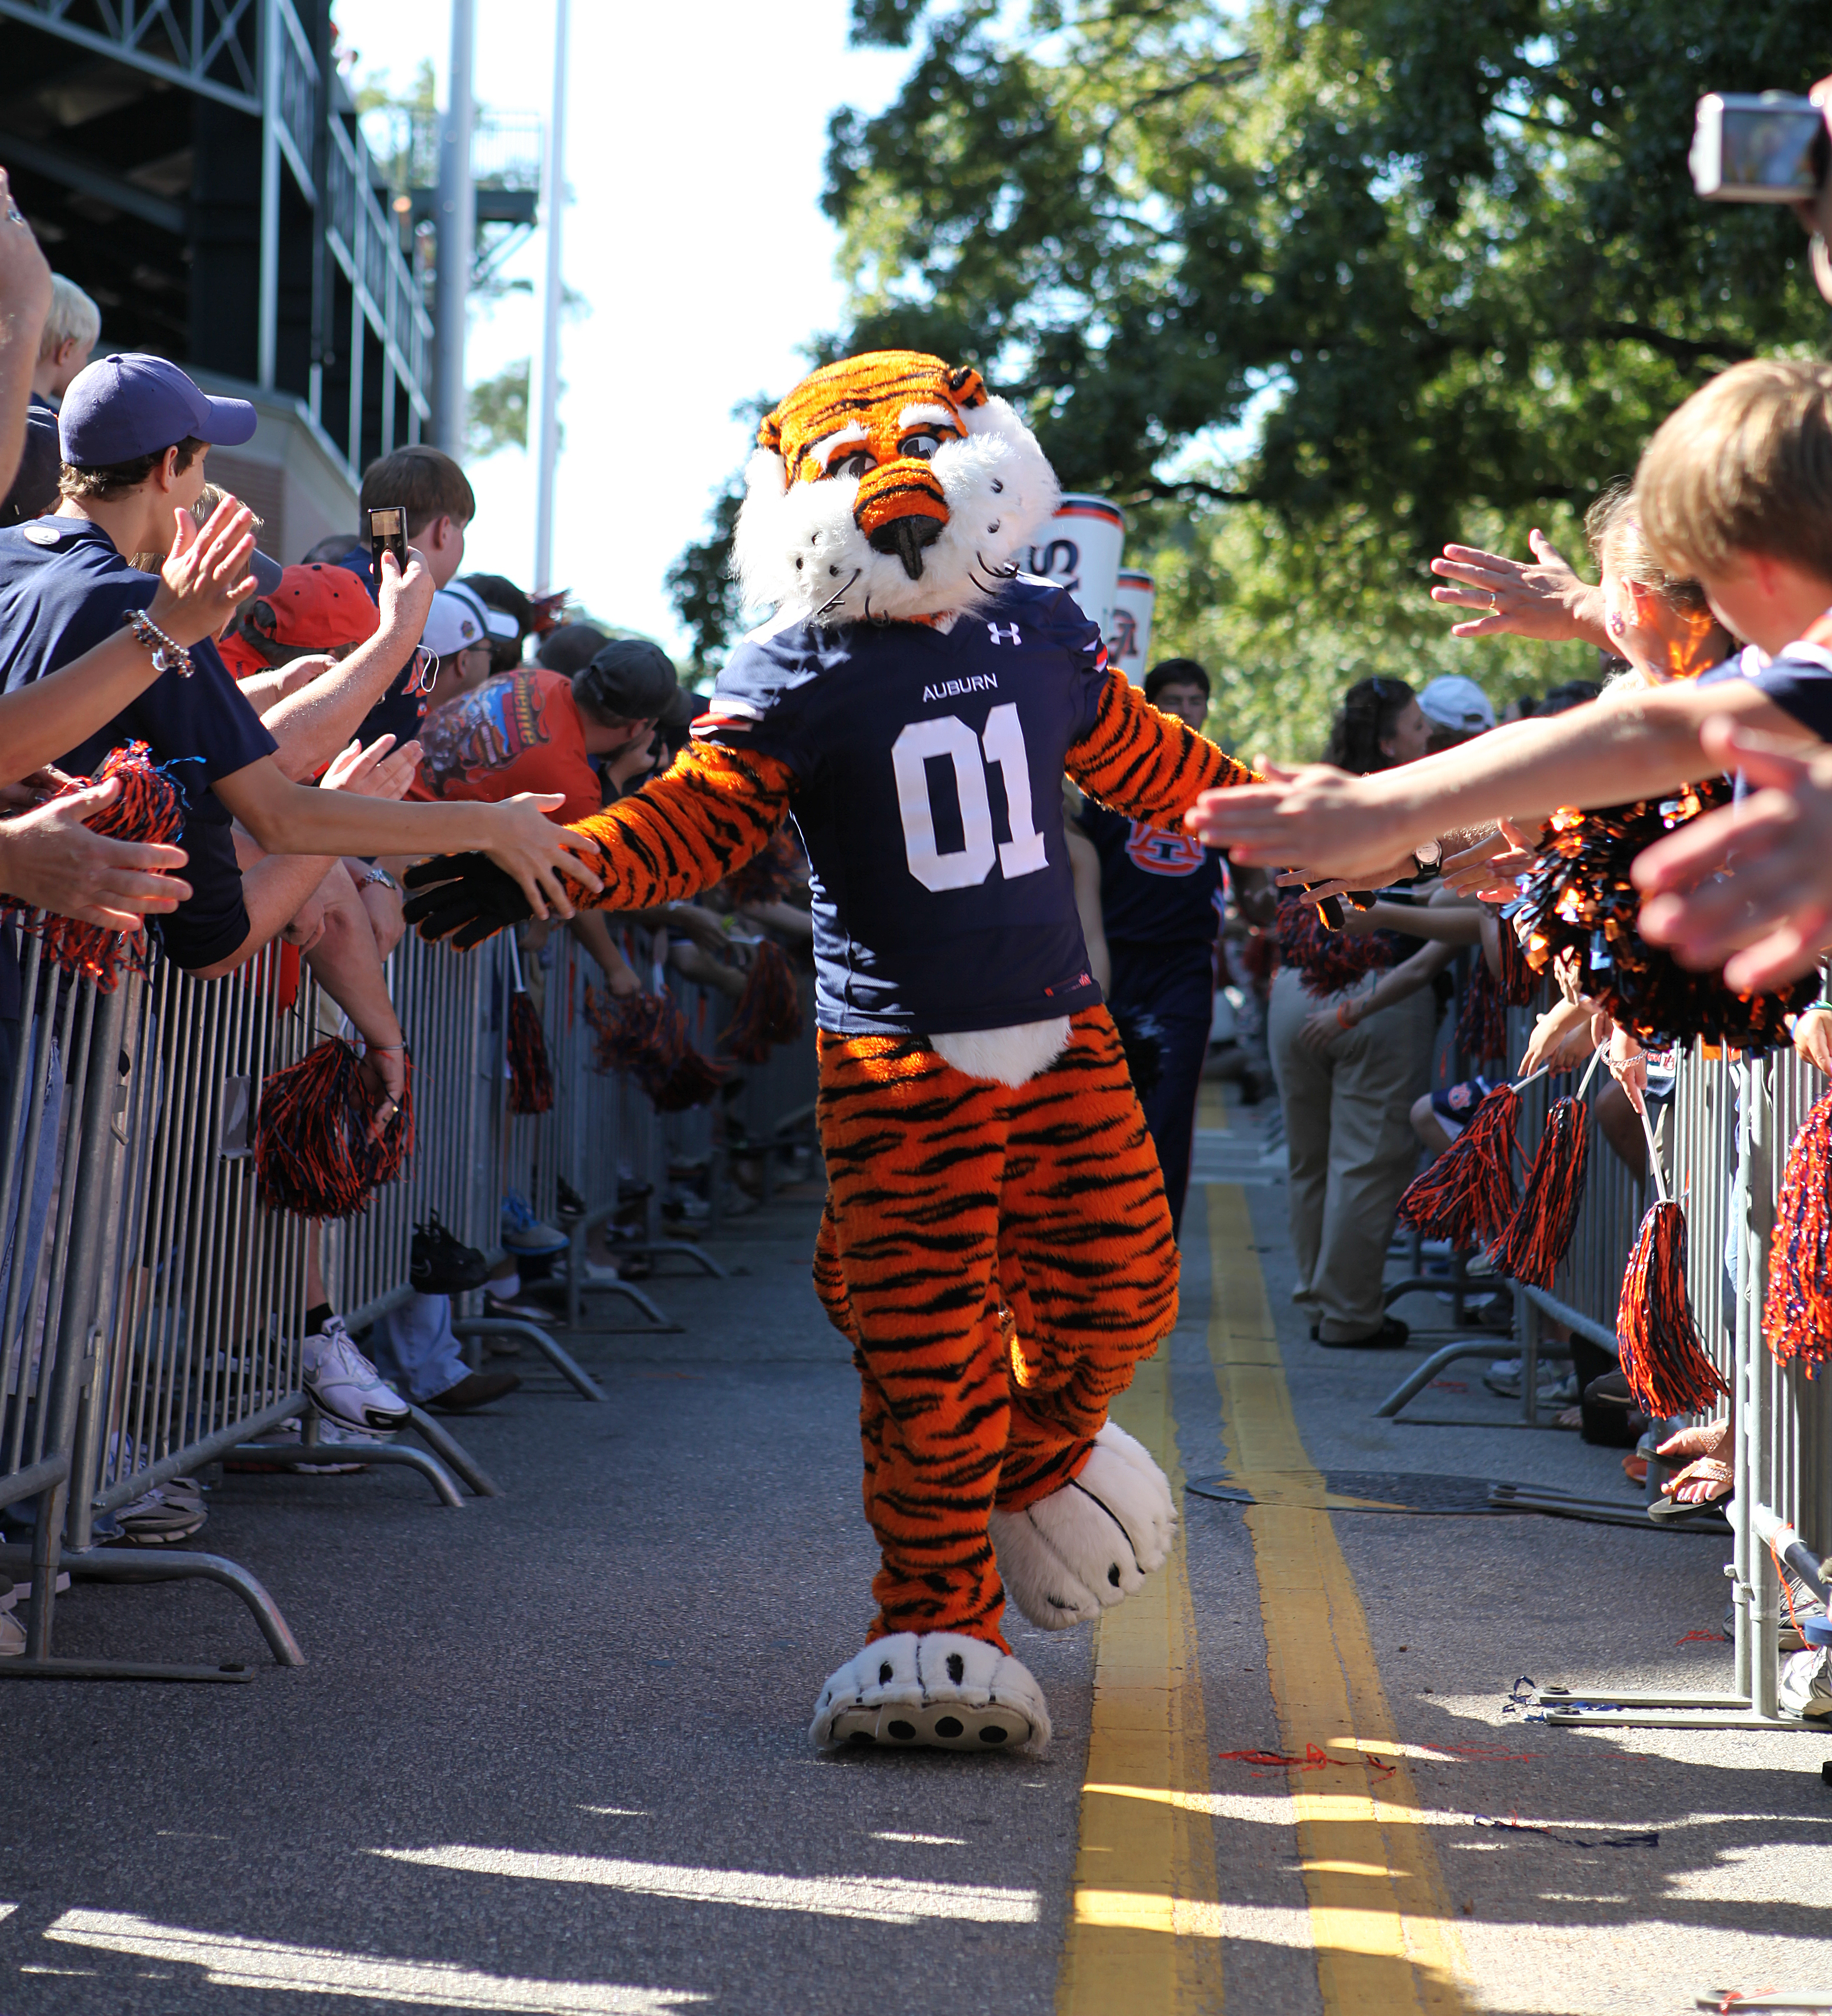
{"x":519,"y":732}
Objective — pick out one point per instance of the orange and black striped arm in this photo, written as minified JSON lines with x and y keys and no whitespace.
{"x":1147,"y":764}
{"x":683,"y":831}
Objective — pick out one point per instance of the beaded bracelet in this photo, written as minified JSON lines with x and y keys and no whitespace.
{"x":167,"y":654}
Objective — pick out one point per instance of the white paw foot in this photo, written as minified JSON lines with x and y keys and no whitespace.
{"x":1084,"y":1548}
{"x":940,"y":1689}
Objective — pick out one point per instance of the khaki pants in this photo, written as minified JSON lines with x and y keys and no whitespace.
{"x":1353,"y":1150}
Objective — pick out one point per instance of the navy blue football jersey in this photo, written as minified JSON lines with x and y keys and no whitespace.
{"x":1158,"y":885}
{"x":928,"y":794}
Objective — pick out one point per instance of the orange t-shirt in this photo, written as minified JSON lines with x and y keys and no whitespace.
{"x":519,"y":732}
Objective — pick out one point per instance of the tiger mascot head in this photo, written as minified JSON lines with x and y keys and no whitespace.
{"x":889,"y":484}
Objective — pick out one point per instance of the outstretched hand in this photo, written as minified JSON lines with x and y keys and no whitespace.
{"x":1542,"y":598}
{"x":1767,"y":921}
{"x":465,"y":898}
{"x":1333,"y":823}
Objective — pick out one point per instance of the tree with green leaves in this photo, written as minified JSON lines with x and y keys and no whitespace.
{"x":1312,"y":288}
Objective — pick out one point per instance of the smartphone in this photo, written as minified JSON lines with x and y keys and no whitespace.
{"x":1766,"y":148}
{"x":388,"y":533}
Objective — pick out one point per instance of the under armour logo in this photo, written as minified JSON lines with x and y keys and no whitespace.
{"x":992,"y":630}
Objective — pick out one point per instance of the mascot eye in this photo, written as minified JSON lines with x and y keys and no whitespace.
{"x":922,"y":446}
{"x":860,"y":463}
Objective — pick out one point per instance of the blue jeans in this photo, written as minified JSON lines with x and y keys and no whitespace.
{"x":412,"y":1347}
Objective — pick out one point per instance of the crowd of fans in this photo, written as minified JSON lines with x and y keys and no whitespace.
{"x":328,"y":722}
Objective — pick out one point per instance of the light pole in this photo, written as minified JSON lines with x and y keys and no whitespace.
{"x":544,"y":416}
{"x":457,"y":228}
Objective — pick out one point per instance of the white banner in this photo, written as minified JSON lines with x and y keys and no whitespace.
{"x":1081,"y":549}
{"x":1129,"y":634}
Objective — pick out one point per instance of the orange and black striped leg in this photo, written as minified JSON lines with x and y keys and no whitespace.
{"x":915,"y":1153}
{"x":1089,"y":1266}
{"x":1086,"y":1256}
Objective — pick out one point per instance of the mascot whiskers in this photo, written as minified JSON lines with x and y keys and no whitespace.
{"x":995,"y":1244}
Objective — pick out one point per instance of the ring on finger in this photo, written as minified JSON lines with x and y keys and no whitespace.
{"x":1494,"y":599}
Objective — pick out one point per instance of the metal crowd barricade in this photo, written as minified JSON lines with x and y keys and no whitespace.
{"x":1586,"y":1287}
{"x":598,"y":1122}
{"x":152,"y":1311}
{"x":1737,"y":1119}
{"x":1724,"y":1141}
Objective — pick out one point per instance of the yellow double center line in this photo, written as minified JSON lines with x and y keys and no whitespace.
{"x":1148,"y":1916}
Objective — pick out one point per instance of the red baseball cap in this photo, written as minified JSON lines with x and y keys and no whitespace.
{"x":316,"y":608}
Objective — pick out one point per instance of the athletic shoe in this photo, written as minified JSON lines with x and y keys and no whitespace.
{"x":1556,"y":1387}
{"x":342,"y":1384}
{"x":523,"y":1232}
{"x":13,"y":1638}
{"x":160,"y":1517}
{"x":442,"y":1265}
{"x":1806,"y":1685}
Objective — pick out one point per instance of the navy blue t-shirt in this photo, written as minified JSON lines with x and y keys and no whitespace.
{"x":1158,"y":885}
{"x":1799,"y":682}
{"x":64,"y":589}
{"x":928,"y":793}
{"x":398,"y":713}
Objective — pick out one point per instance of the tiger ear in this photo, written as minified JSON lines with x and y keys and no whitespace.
{"x":967,"y":386}
{"x":769,"y":432}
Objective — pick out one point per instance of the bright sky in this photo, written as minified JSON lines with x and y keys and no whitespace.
{"x":695,"y":136}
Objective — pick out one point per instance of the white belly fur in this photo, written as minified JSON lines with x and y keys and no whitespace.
{"x":1006,"y":1056}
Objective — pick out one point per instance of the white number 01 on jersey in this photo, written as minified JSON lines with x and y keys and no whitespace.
{"x":972,"y":755}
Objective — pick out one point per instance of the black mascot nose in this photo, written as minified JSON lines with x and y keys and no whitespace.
{"x":906,"y":537}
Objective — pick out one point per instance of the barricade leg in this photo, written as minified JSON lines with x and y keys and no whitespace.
{"x":291,"y":1455}
{"x":583,"y":1276}
{"x":487,"y":1326}
{"x":108,"y":1564}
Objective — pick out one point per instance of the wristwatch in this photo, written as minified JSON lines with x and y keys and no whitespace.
{"x":1430,"y":857}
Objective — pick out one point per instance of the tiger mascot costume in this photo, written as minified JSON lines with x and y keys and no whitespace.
{"x":995,"y":1244}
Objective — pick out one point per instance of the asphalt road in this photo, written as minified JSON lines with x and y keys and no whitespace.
{"x":549,"y":1753}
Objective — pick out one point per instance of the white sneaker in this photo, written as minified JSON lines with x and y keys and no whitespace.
{"x":342,"y":1384}
{"x":12,"y":1637}
{"x":1806,"y":1685}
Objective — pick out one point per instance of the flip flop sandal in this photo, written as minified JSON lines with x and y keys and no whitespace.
{"x":1704,"y":1469}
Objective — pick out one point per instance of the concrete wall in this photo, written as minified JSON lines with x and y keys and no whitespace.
{"x":289,"y":473}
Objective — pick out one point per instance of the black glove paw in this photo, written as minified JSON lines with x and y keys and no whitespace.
{"x":465,"y":898}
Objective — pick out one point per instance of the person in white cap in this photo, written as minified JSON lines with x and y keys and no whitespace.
{"x":1458,"y":709}
{"x":457,"y":635}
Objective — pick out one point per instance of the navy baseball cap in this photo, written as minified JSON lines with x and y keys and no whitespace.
{"x":120,"y":408}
